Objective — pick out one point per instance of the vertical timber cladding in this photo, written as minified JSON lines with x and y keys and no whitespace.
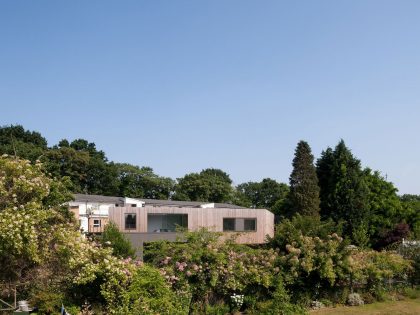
{"x":211,"y":218}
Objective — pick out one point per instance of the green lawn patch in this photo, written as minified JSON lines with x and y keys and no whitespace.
{"x":405,"y":307}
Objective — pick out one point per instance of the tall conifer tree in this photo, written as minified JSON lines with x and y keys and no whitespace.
{"x":304,"y":189}
{"x":344,"y":192}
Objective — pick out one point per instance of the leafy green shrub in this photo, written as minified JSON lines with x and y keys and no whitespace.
{"x":72,"y":309}
{"x":121,"y":246}
{"x":373,"y":269}
{"x":368,"y":297}
{"x":290,"y":230}
{"x":326,"y":302}
{"x":379,"y":292}
{"x":279,"y":303}
{"x":412,"y":252}
{"x":311,"y":263}
{"x":411,"y":293}
{"x":217,"y":309}
{"x":47,"y":301}
{"x":205,"y":265}
{"x":149,"y":293}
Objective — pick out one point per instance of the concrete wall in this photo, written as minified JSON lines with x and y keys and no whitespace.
{"x":138,"y":239}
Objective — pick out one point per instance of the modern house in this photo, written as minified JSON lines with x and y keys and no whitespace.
{"x":92,"y":210}
{"x":146,"y":220}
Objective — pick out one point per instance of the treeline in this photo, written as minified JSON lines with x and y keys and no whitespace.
{"x":335,"y":187}
{"x":91,"y":172}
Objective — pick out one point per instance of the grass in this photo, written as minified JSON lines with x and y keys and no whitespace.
{"x":405,"y":307}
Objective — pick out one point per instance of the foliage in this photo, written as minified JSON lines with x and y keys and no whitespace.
{"x":386,"y":209}
{"x":411,"y":205}
{"x":397,"y":234}
{"x":212,"y":185}
{"x":41,"y":246}
{"x":280,"y":303}
{"x":87,"y":167}
{"x":149,"y":293}
{"x":361,"y":235}
{"x":121,"y":246}
{"x":48,"y":300}
{"x":307,"y":258}
{"x":267,"y":194}
{"x":206,"y":265}
{"x":28,"y":220}
{"x":304,"y":189}
{"x":372,"y":269}
{"x":218,"y":309}
{"x":143,"y":182}
{"x":16,"y":141}
{"x":310,"y":262}
{"x":412,"y":252}
{"x":289,"y":230}
{"x":343,"y":189}
{"x":93,"y":272}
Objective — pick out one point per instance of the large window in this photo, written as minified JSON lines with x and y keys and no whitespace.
{"x":228,"y":224}
{"x":162,"y":222}
{"x":239,"y":224}
{"x":130,"y":221}
{"x":250,"y":224}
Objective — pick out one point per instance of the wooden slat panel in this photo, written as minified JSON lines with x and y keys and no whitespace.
{"x":211,"y":218}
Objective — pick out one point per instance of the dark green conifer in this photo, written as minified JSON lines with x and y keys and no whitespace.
{"x":304,"y":189}
{"x":344,"y":192}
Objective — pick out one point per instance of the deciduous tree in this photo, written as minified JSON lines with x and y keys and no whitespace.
{"x":212,"y":185}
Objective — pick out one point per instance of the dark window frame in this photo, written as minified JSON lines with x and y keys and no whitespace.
{"x":184,"y":221}
{"x":130,"y":226}
{"x":255,"y":226}
{"x":236,"y":225}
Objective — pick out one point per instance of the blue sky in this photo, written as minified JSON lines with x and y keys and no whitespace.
{"x":185,"y":85}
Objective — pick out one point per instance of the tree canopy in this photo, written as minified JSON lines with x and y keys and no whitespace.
{"x":344,"y":191}
{"x":267,"y":194}
{"x":212,"y":185}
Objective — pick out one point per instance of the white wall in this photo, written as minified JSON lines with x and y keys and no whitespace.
{"x":95,"y":208}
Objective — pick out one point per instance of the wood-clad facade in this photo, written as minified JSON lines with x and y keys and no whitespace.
{"x":97,"y":224}
{"x":254,"y":224}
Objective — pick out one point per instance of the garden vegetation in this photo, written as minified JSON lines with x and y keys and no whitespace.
{"x":338,"y":240}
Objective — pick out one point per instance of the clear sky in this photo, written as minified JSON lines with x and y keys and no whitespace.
{"x":185,"y":85}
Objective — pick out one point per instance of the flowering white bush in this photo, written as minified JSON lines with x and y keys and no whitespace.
{"x":39,"y":242}
{"x":354,"y":299}
{"x":26,"y":224}
{"x":236,"y":301}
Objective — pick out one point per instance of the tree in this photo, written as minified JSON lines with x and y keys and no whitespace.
{"x":142,"y":182}
{"x":88,"y":168}
{"x":121,"y":246}
{"x":397,"y":234}
{"x":210,"y":185}
{"x":411,"y":205}
{"x":386,"y":208}
{"x":15,"y":140}
{"x":304,"y":189}
{"x":267,"y":194}
{"x":324,"y":168}
{"x":344,"y":192}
